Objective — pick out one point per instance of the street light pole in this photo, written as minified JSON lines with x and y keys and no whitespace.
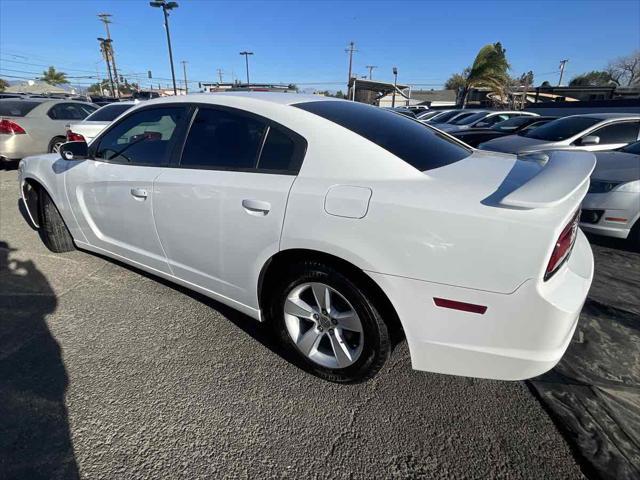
{"x":166,"y":7}
{"x":246,"y":59}
{"x":562,"y":64}
{"x":395,"y":86}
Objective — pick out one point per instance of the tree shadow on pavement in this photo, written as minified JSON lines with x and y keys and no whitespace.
{"x":35,"y":441}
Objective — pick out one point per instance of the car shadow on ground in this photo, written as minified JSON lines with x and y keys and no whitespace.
{"x":615,"y":243}
{"x":35,"y":440}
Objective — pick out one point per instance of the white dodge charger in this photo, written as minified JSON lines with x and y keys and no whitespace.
{"x":339,"y":223}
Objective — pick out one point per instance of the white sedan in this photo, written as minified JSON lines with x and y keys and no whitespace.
{"x":87,"y":129}
{"x":612,"y":206}
{"x":341,"y":224}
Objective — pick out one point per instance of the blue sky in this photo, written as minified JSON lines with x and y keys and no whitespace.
{"x":303,"y":42}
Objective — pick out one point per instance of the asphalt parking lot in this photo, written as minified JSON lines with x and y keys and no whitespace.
{"x":108,"y":373}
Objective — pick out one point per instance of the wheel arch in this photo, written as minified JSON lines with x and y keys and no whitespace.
{"x":275,"y":266}
{"x":30,"y":190}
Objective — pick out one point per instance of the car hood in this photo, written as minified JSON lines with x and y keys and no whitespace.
{"x":617,"y":166}
{"x":516,"y":144}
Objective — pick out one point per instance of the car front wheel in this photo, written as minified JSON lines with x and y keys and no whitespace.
{"x":330,"y":323}
{"x":53,"y":231}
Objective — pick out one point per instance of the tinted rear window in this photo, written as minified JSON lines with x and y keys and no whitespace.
{"x":408,"y":139}
{"x":108,"y":113}
{"x":16,"y":108}
{"x":444,"y":117}
{"x":632,"y":148}
{"x":562,"y":128}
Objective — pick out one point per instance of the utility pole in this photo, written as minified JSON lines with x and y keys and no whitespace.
{"x":350,"y":51}
{"x":562,"y":64}
{"x":395,"y":86}
{"x":246,"y":59}
{"x":184,"y":70}
{"x":104,"y":48}
{"x":106,"y":19}
{"x":166,"y":7}
{"x":371,"y":67}
{"x":220,"y":72}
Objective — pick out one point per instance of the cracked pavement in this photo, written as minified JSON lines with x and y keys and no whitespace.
{"x":109,"y":373}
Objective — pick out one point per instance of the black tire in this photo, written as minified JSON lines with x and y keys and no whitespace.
{"x":55,"y":141}
{"x":376,"y":348}
{"x":53,"y":231}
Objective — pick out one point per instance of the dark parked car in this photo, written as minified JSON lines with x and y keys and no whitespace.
{"x":516,"y":125}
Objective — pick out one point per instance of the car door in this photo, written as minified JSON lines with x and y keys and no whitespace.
{"x":111,"y":194}
{"x":219,"y":213}
{"x":612,"y":136}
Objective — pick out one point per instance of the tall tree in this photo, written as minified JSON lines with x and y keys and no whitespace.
{"x":456,"y":81}
{"x":53,"y":77}
{"x":489,"y":69}
{"x":625,"y":71}
{"x":594,"y":78}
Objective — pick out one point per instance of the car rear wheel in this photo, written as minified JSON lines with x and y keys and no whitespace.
{"x":53,"y":231}
{"x":55,"y":144}
{"x":329,"y":323}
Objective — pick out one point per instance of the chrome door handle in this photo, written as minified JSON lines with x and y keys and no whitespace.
{"x":256,"y":207}
{"x":139,"y":193}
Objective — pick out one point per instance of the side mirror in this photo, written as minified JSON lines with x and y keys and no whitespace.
{"x":590,"y":140}
{"x":74,"y":151}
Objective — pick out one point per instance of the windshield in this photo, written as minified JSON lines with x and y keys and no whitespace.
{"x":108,"y":112}
{"x":428,"y":115}
{"x":16,"y":108}
{"x":461,"y":116}
{"x":512,"y":124}
{"x":420,"y":146}
{"x":469,"y":119}
{"x":632,"y":148}
{"x":562,"y":128}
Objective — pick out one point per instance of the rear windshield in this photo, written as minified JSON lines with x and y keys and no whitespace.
{"x":444,"y":117}
{"x":16,"y":108}
{"x":562,"y":128}
{"x":108,"y":112}
{"x":464,"y":118}
{"x":410,"y":140}
{"x":513,"y":123}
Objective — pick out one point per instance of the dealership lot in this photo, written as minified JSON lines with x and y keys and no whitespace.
{"x":108,"y":372}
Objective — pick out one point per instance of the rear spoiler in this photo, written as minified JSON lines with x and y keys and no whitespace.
{"x":563,"y":174}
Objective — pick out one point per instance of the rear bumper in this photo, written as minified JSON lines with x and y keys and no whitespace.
{"x":521,"y":335}
{"x":15,"y":147}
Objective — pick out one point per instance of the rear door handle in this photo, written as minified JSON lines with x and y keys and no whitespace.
{"x":256,"y":207}
{"x":139,"y":193}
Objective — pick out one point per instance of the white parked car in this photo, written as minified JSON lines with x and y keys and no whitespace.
{"x":612,"y":206}
{"x":482,"y":120}
{"x":590,"y":131}
{"x":87,"y":129}
{"x":339,"y":223}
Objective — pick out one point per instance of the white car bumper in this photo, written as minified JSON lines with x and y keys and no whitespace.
{"x":521,"y":335}
{"x":612,"y":214}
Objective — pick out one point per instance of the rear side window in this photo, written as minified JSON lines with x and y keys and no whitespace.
{"x":410,"y":140}
{"x":108,"y":113}
{"x":625,"y":132}
{"x":16,"y":108}
{"x":220,"y":139}
{"x":70,"y":111}
{"x":281,"y":152}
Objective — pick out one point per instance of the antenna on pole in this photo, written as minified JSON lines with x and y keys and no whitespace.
{"x":371,"y":67}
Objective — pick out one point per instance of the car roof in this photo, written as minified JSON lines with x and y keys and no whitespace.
{"x":271,"y":97}
{"x":609,"y":116}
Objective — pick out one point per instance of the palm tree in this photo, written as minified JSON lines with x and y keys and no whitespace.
{"x":490,"y":69}
{"x":53,"y":77}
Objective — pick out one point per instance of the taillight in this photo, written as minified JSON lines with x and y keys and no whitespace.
{"x":10,"y":128}
{"x":563,"y":246}
{"x":74,"y":137}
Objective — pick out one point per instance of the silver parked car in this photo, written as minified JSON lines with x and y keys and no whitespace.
{"x":612,"y":206}
{"x":29,"y":126}
{"x":87,"y":129}
{"x":592,"y":132}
